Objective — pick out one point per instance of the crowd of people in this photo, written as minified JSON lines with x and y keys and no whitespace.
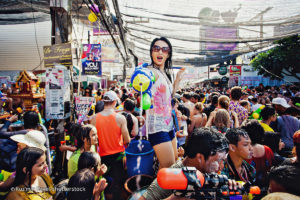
{"x":249,"y":134}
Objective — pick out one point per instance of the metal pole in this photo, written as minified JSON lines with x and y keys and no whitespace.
{"x":48,"y":157}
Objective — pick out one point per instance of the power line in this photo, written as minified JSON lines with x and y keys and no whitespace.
{"x":35,"y":36}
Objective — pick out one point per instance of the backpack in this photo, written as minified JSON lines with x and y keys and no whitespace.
{"x":8,"y":155}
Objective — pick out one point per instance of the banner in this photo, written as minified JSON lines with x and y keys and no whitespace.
{"x":235,"y":70}
{"x":57,"y":93}
{"x":220,"y":33}
{"x":83,"y":106}
{"x":58,"y":54}
{"x":91,"y":59}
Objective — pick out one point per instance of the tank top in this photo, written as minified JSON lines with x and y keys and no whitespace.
{"x":160,"y":116}
{"x":109,"y":135}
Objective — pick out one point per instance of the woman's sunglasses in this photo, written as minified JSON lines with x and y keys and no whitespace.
{"x":156,"y":48}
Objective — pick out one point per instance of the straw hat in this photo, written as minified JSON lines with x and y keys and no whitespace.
{"x":32,"y":139}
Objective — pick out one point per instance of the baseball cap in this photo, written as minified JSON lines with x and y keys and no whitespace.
{"x":177,"y":96}
{"x":110,"y":96}
{"x":32,"y":139}
{"x":280,"y":101}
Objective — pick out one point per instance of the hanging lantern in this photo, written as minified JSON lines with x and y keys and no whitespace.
{"x":92,"y":17}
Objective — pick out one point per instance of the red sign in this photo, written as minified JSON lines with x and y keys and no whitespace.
{"x":235,"y":70}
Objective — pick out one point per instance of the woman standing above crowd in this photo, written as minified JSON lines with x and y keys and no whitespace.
{"x":161,"y":134}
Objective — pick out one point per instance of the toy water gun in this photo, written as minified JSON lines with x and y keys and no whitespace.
{"x":4,"y":175}
{"x":142,"y":80}
{"x":189,"y":180}
{"x":256,"y":113}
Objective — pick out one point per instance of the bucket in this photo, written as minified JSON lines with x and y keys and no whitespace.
{"x":137,"y":182}
{"x":137,"y":194}
{"x":139,"y":158}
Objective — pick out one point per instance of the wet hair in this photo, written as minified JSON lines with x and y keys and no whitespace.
{"x":234,"y":135}
{"x":267,"y":112}
{"x":272,"y":139}
{"x":168,"y":63}
{"x":206,"y":141}
{"x":288,"y":176}
{"x":99,"y":107}
{"x":254,"y":99}
{"x":129,"y":105}
{"x":31,"y":120}
{"x":89,"y":160}
{"x":27,"y":158}
{"x":186,"y":95}
{"x":84,"y":133}
{"x":222,"y":118}
{"x":224,"y":101}
{"x":244,"y":103}
{"x":99,"y":92}
{"x":199,"y":106}
{"x":74,"y":129}
{"x":196,"y":96}
{"x":184,"y":110}
{"x":236,"y":93}
{"x":214,"y":100}
{"x":84,"y":179}
{"x":174,"y":101}
{"x":255,"y":131}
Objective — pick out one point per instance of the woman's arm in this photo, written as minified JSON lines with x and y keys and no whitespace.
{"x":236,"y":119}
{"x":192,"y":125}
{"x":179,"y":77}
{"x":210,"y":119}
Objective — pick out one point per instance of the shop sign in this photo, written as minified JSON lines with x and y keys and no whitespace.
{"x":91,"y":59}
{"x":223,"y":70}
{"x":235,"y":70}
{"x":58,"y":54}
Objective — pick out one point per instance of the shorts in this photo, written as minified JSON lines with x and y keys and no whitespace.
{"x":161,"y":137}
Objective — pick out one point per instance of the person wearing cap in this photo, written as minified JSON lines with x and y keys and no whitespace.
{"x":33,"y":138}
{"x":285,"y":124}
{"x":112,"y":136}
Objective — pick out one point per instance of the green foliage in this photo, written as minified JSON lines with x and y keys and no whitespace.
{"x":282,"y":60}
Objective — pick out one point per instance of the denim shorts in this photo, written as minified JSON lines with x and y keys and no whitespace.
{"x":160,"y":137}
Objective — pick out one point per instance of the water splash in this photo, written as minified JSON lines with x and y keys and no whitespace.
{"x":138,"y":164}
{"x":138,"y":180}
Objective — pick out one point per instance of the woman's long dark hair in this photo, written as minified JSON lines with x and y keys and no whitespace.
{"x":89,"y":160}
{"x":81,"y":134}
{"x":26,"y":158}
{"x":168,"y":63}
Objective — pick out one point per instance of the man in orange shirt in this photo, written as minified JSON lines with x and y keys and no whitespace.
{"x":113,"y":136}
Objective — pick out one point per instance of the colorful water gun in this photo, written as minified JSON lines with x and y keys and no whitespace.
{"x":142,"y":80}
{"x":189,"y":179}
{"x":256,"y":113}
